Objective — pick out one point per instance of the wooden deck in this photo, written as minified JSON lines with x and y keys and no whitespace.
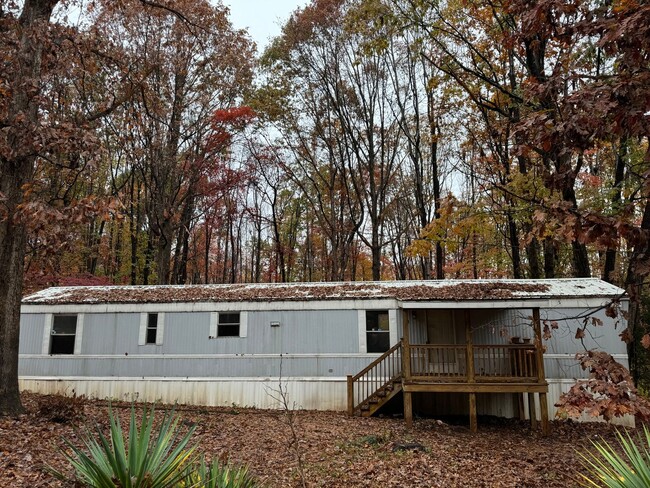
{"x":452,"y":368}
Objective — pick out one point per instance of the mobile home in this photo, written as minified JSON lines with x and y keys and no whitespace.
{"x":498,"y":347}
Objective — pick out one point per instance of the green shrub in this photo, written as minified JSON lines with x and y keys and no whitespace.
{"x":607,"y":468}
{"x":218,"y":475}
{"x":146,"y":460}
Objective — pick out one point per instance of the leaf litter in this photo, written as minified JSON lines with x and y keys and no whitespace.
{"x":339,"y":451}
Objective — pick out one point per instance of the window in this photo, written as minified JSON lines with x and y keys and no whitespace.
{"x":377,"y":331}
{"x":63,"y":333}
{"x":152,"y":328}
{"x":228,"y":325}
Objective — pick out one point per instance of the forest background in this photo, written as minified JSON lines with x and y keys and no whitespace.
{"x":146,"y":142}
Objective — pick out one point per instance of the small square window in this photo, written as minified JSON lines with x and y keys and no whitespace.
{"x":228,"y":325}
{"x":152,"y":328}
{"x":64,"y":330}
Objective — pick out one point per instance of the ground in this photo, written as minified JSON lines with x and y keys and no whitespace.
{"x":338,"y":451}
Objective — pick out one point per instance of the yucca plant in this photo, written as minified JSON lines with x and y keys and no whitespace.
{"x":218,"y":475}
{"x":607,"y":468}
{"x":148,"y":459}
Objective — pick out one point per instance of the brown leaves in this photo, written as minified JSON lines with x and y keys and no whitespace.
{"x":339,"y":451}
{"x":278,"y":291}
{"x":608,"y":393}
{"x":645,"y":341}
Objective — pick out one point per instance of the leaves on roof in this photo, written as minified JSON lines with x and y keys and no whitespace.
{"x":478,"y":290}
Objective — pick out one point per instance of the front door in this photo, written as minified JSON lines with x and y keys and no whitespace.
{"x":441,"y":329}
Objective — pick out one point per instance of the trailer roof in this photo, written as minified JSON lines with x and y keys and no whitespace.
{"x":411,"y":291}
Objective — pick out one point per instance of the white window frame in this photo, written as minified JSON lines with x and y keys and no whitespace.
{"x":160,"y":328}
{"x":47,"y":333}
{"x":214,"y":324}
{"x":392,"y":328}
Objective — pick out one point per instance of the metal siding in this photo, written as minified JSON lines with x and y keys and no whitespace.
{"x":604,"y":338}
{"x":174,"y":367}
{"x":312,"y":394}
{"x":187,"y":333}
{"x":31,"y":333}
{"x":498,"y":326}
{"x":308,"y":393}
{"x":309,"y":332}
{"x":314,"y":332}
{"x":111,"y":333}
{"x":417,"y":327}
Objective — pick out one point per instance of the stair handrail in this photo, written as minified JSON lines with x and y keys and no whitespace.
{"x":372,"y":382}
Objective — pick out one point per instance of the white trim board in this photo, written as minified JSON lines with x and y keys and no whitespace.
{"x":545,"y":303}
{"x":202,"y":379}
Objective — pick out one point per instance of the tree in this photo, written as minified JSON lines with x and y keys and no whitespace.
{"x":38,"y":52}
{"x":26,"y":45}
{"x":610,"y":104}
{"x":198,"y":64}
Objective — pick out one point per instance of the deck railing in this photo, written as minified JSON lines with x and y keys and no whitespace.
{"x":438,"y":360}
{"x":491,"y":362}
{"x":444,"y":363}
{"x":375,"y":376}
{"x":508,"y":361}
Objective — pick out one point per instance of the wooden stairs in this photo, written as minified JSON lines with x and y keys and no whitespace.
{"x":381,"y":397}
{"x":376,"y":384}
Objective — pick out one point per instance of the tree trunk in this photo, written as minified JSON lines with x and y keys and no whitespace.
{"x":580,"y":261}
{"x":637,"y":273}
{"x":532,"y":252}
{"x":550,"y":258}
{"x":12,"y":255}
{"x":513,"y":239}
{"x":134,"y":228}
{"x":15,"y":172}
{"x":206,"y":251}
{"x":619,"y":174}
{"x":164,"y":252}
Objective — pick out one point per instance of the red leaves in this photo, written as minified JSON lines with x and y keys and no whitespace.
{"x":227,"y":122}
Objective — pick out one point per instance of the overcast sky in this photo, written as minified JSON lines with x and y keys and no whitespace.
{"x":262,"y":18}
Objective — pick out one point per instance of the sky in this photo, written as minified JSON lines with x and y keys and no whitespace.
{"x":262,"y":18}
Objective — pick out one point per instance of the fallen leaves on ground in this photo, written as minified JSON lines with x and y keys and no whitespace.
{"x":338,"y":451}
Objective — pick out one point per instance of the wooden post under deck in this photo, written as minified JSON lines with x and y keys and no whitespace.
{"x":541,"y":375}
{"x":406,"y":369}
{"x":473,"y":424}
{"x":350,"y":395}
{"x":532,"y":411}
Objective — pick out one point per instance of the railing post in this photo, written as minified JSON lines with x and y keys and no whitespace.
{"x":541,"y":375}
{"x":470,"y":348}
{"x":406,"y":348}
{"x":539,"y":352}
{"x":350,"y":396}
{"x":470,"y":371}
{"x":406,"y":370}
